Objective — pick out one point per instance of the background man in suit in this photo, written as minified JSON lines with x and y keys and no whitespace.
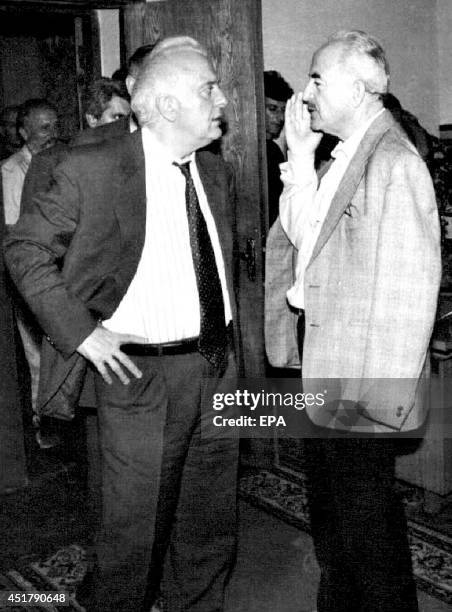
{"x":127,"y":263}
{"x":277,"y":92}
{"x":106,"y":101}
{"x":366,"y":285}
{"x":39,"y":174}
{"x":9,"y":137}
{"x":37,"y":124}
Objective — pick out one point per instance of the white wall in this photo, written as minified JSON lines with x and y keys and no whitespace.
{"x":294,"y":29}
{"x":109,"y":40}
{"x":444,"y":21}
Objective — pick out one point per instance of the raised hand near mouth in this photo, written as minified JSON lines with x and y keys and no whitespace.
{"x":301,"y":140}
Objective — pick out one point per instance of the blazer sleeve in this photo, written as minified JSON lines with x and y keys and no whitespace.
{"x":404,"y":292}
{"x":34,"y":250}
{"x":39,"y":175}
{"x":408,"y":253}
{"x":37,"y":179}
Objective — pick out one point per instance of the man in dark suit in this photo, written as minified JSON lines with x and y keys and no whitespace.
{"x":127,"y":262}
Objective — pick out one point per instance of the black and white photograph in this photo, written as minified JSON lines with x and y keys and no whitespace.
{"x":225,"y":306}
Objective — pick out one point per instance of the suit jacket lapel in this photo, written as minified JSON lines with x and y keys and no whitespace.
{"x":352,"y":178}
{"x":130,"y":200}
{"x":217,"y":197}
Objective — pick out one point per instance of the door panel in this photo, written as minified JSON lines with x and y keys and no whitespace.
{"x":231,"y":31}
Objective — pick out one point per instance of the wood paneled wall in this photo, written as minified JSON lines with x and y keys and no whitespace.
{"x":231,"y":31}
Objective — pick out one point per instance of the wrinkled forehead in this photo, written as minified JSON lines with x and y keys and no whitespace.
{"x":329,"y":60}
{"x":195,"y":67}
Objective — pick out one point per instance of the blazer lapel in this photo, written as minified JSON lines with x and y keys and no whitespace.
{"x":217,"y":198}
{"x":352,"y":178}
{"x":130,"y":201}
{"x":215,"y":194}
{"x":213,"y":191}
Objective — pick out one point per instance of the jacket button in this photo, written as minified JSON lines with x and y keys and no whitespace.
{"x":399,"y":411}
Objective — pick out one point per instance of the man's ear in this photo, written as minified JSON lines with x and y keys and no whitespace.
{"x":168,"y":107}
{"x":359,"y":91}
{"x":130,"y":82}
{"x":91,"y":120}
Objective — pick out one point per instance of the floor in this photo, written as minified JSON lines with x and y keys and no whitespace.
{"x":276,"y":569}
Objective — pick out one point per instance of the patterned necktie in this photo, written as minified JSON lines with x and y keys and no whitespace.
{"x":212,"y":335}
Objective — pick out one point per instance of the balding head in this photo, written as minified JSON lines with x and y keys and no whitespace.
{"x":177,"y":95}
{"x":160,"y":74}
{"x":37,"y":123}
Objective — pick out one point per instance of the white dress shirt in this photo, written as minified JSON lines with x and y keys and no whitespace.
{"x":162,"y":302}
{"x":304,"y":203}
{"x":13,"y":171}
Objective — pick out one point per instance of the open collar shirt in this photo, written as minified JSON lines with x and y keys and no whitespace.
{"x":162,"y":302}
{"x":305,"y":201}
{"x":13,"y":171}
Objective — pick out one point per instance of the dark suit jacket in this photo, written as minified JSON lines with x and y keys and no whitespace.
{"x":74,"y":255}
{"x":116,"y":129}
{"x":39,"y":175}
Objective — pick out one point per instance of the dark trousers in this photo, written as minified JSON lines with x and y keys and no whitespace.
{"x":358,"y":526}
{"x":169,"y":489}
{"x":357,"y":520}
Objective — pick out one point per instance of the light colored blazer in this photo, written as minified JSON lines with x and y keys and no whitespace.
{"x":371,"y":290}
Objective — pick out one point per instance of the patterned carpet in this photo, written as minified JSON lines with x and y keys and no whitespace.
{"x":60,"y":573}
{"x":284,"y":495}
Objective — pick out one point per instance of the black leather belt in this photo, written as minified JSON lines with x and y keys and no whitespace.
{"x":180,"y":347}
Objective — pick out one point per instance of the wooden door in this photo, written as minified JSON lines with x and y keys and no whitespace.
{"x":231,"y":31}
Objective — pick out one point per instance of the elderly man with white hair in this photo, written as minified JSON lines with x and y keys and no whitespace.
{"x":127,"y":263}
{"x":365,"y":285}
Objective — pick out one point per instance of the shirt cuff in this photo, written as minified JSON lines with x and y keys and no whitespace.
{"x":298,"y":170}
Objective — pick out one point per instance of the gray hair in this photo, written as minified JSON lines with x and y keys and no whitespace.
{"x":365,"y":55}
{"x":160,"y":74}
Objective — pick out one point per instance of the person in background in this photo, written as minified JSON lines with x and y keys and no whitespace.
{"x":40,"y":172}
{"x":105,"y":101}
{"x":123,"y":124}
{"x":39,"y":179}
{"x":277,"y":92}
{"x":365,"y":289}
{"x":129,"y":72}
{"x":439,"y":162}
{"x":10,"y":141}
{"x":413,"y":129}
{"x":37,"y":124}
{"x":128,"y":263}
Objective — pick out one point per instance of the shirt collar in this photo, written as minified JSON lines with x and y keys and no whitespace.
{"x":26,"y":153}
{"x":160,"y":153}
{"x":349,"y":146}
